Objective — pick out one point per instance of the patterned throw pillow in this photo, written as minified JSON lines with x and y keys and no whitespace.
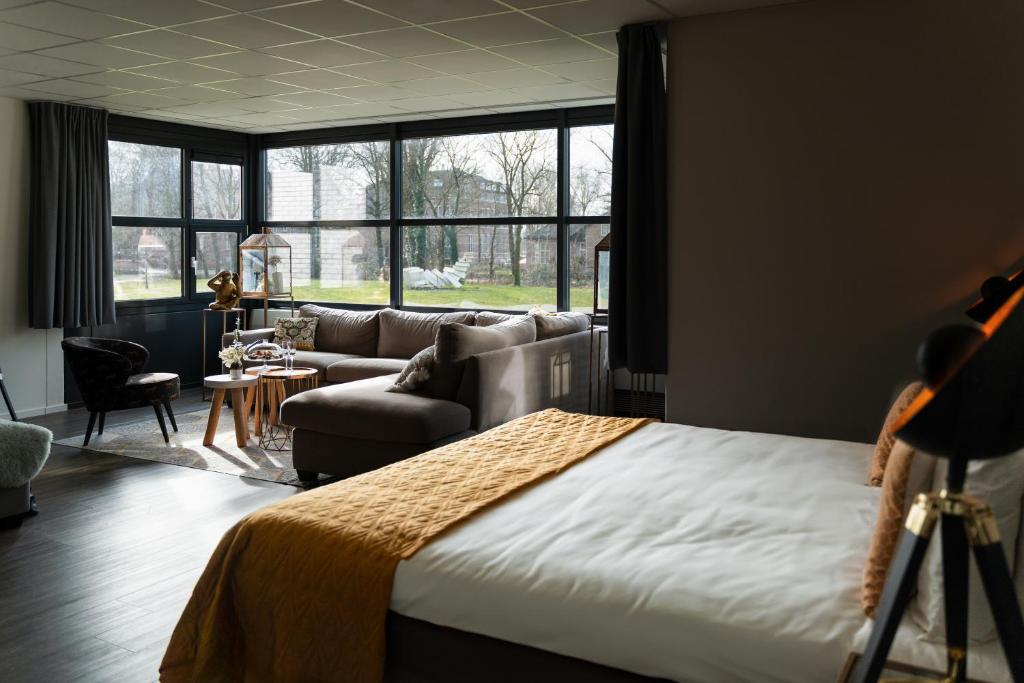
{"x":416,"y":372}
{"x":299,"y":331}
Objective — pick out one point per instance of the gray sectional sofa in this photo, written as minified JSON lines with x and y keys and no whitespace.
{"x":353,"y":424}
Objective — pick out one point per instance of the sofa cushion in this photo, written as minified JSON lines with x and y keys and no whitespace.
{"x":355,"y":369}
{"x":403,"y":334}
{"x":457,"y":342}
{"x":366,"y":410}
{"x":341,"y":331}
{"x":551,"y":325}
{"x":488,"y":318}
{"x":321,"y":360}
{"x":416,"y":372}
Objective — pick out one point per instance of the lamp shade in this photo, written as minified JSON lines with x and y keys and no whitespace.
{"x":975,"y":409}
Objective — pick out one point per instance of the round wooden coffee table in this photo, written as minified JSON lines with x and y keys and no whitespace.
{"x":221,"y":384}
{"x":274,"y":387}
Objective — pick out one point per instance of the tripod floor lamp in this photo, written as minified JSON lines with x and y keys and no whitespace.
{"x":7,"y":397}
{"x":971,"y":409}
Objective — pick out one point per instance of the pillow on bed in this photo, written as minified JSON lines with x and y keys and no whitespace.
{"x":1000,"y":483}
{"x":886,"y":438}
{"x":907,"y":474}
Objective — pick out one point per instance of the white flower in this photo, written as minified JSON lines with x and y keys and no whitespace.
{"x":232,"y":355}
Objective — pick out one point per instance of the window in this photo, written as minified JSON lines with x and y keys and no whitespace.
{"x":215,"y":251}
{"x":582,"y":240}
{"x":340,"y":265}
{"x":590,"y":170}
{"x":329,"y":182}
{"x":145,"y":180}
{"x":147,"y":262}
{"x":216,"y":191}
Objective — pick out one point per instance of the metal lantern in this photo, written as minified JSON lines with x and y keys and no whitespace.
{"x":602,"y":267}
{"x":265,"y":266}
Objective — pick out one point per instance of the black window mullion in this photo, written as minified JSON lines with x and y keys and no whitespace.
{"x":395,"y":243}
{"x":562,"y":238}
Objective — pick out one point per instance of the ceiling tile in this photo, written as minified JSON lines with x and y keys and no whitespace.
{"x":250,"y":63}
{"x":552,"y":51}
{"x":197,"y":93}
{"x":516,"y":78}
{"x":330,"y":18}
{"x":406,"y":42}
{"x":317,"y":79}
{"x":420,"y":12}
{"x":141,"y":99}
{"x":170,"y":44}
{"x":247,"y":5}
{"x":465,"y":62}
{"x":20,"y":93}
{"x":21,"y":38}
{"x":324,"y":114}
{"x":208,"y":109}
{"x":387,"y":72}
{"x":688,"y":8}
{"x":155,"y":12}
{"x":314,"y":99}
{"x":562,"y":91}
{"x":268,"y":104}
{"x":605,"y":85}
{"x":261,"y":119}
{"x":419,"y":104}
{"x":98,"y":54}
{"x":444,"y":85}
{"x":123,"y":79}
{"x":8,"y":78}
{"x":489,"y":98}
{"x":324,"y":52}
{"x":255,"y":86}
{"x":586,"y":71}
{"x":74,"y":89}
{"x":590,"y":16}
{"x":374,"y":93}
{"x":67,"y":20}
{"x":362,"y":109}
{"x":497,"y":29}
{"x":242,"y":30}
{"x":43,"y":65}
{"x":184,"y":72}
{"x":606,"y":40}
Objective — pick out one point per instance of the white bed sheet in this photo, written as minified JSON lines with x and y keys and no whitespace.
{"x":697,"y":555}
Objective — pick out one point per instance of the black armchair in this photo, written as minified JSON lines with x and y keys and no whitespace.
{"x":110,"y":376}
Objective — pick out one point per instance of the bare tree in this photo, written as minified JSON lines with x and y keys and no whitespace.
{"x":373,"y":159}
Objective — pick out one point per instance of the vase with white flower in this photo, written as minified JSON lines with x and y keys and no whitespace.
{"x":232,"y":357}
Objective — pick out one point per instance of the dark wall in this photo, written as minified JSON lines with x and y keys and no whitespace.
{"x":844,"y":174}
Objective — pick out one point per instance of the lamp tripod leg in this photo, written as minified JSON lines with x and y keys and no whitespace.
{"x":955,"y":567}
{"x":899,"y":587}
{"x":999,"y":588}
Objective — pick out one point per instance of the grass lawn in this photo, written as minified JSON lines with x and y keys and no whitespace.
{"x":135,"y":289}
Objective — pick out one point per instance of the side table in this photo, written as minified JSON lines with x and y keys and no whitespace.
{"x":240,"y":312}
{"x":275,"y":386}
{"x":221,"y":384}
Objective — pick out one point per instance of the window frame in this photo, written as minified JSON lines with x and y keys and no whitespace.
{"x":561,"y":120}
{"x":194,"y":144}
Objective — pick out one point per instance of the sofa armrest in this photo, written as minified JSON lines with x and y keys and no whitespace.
{"x":502,"y":385}
{"x":249,"y":336}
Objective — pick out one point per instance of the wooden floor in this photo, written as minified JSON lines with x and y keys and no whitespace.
{"x":91,"y":587}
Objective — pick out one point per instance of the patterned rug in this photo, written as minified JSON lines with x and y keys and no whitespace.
{"x":143,"y":440}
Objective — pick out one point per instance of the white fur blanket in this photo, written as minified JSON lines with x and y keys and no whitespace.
{"x":23,"y":450}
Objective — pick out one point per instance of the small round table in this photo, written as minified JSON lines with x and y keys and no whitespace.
{"x":274,"y":387}
{"x":221,"y":384}
{"x":256,"y":396}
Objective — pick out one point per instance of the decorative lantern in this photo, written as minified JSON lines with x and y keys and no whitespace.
{"x":602,"y":267}
{"x":265,"y":266}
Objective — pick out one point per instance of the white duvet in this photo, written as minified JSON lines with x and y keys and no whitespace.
{"x":697,"y":555}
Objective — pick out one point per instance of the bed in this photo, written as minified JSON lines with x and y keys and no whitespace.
{"x":676,"y":552}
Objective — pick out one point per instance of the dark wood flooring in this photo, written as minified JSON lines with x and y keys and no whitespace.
{"x":91,"y":588}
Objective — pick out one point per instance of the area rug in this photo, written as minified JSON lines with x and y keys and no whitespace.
{"x":143,"y":440}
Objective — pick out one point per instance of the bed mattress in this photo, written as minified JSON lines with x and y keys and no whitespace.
{"x":692,"y":554}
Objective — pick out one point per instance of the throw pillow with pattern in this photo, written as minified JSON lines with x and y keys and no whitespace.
{"x":299,"y":331}
{"x":415,"y":373}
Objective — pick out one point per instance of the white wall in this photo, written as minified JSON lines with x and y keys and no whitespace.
{"x":843,"y":175}
{"x":32,"y":361}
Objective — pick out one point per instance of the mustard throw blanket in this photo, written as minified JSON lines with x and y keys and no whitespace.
{"x":299,"y":591}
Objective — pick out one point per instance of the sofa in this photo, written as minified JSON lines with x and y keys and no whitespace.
{"x":353,"y":423}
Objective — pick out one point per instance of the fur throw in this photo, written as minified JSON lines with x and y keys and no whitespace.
{"x":416,"y":372}
{"x":23,"y":450}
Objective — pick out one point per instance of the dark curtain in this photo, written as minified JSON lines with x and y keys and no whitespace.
{"x":638,"y":296}
{"x":71,"y":275}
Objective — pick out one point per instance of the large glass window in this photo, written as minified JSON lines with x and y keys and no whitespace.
{"x":145,"y":180}
{"x":590,"y":170}
{"x":216,"y":191}
{"x":582,"y":240}
{"x":340,"y":265}
{"x":511,"y":173}
{"x":329,"y":182}
{"x":147,"y":262}
{"x":215,"y":251}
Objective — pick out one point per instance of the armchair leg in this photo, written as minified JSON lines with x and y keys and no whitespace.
{"x":88,"y":430}
{"x":103,"y":419}
{"x":160,"y":419}
{"x":170,"y":414}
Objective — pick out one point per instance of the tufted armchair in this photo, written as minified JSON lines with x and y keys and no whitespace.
{"x":110,"y":376}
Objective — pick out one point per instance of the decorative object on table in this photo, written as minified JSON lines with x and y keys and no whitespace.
{"x":239,"y":326}
{"x":242,"y":390}
{"x":232,"y":358}
{"x":264,"y":351}
{"x":110,"y":375}
{"x":274,"y":387}
{"x":7,"y":397}
{"x":227,"y":291}
{"x":265,"y":269}
{"x":602,"y":265}
{"x":971,"y":409}
{"x":299,"y":331}
{"x":24,"y":449}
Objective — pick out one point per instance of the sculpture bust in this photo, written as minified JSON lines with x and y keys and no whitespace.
{"x":226,"y":288}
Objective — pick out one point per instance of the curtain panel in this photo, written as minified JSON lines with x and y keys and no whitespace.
{"x":638,"y":278}
{"x":71,"y":275}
